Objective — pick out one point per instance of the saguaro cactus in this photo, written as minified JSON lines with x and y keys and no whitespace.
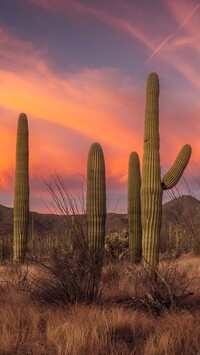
{"x":96,"y":200}
{"x":21,"y":190}
{"x":134,"y":208}
{"x":151,"y":186}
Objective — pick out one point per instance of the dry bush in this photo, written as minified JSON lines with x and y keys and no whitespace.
{"x":72,"y":271}
{"x":177,"y":286}
{"x":72,"y":277}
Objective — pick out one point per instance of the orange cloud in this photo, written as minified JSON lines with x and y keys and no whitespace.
{"x":87,"y":113}
{"x":67,"y":113}
{"x":92,"y":102}
{"x":92,"y":105}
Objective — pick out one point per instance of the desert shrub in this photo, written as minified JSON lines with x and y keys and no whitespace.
{"x":70,"y":277}
{"x":171,"y":290}
{"x":116,"y":247}
{"x":72,"y":270}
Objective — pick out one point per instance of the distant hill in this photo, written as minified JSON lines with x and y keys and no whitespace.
{"x":184,"y":210}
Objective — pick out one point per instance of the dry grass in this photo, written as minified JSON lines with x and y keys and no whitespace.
{"x":27,"y":327}
{"x":182,"y":276}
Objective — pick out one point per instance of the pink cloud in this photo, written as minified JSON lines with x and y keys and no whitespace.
{"x":66,"y":114}
{"x":164,"y":46}
{"x":91,"y":105}
{"x":174,"y":48}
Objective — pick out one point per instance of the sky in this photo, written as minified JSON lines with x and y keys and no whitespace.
{"x":78,"y":69}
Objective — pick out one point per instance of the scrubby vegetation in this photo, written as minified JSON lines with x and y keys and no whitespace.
{"x":94,"y":292}
{"x":131,"y":316}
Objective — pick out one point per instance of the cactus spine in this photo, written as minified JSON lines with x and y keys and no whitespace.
{"x":96,"y":200}
{"x":151,"y":186}
{"x":134,"y":208}
{"x":21,"y":190}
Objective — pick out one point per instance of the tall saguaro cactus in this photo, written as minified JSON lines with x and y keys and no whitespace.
{"x":152,"y":187}
{"x":96,"y":200}
{"x":134,"y":208}
{"x":21,"y":190}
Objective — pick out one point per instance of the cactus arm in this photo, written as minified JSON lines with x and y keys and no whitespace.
{"x":21,"y":190}
{"x":134,"y":208}
{"x":171,"y":178}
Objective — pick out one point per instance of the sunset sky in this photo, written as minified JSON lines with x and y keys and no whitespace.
{"x":78,"y":69}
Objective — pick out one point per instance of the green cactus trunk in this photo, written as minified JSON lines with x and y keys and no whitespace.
{"x":151,"y":190}
{"x":152,"y":187}
{"x":96,"y":200}
{"x":21,"y":191}
{"x":134,"y":208}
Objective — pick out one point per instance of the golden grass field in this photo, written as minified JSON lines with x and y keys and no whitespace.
{"x":111,"y":327}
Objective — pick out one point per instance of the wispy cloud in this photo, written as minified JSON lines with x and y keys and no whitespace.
{"x":166,"y":40}
{"x":66,"y":114}
{"x":68,"y":111}
{"x":111,"y":19}
{"x":186,"y":40}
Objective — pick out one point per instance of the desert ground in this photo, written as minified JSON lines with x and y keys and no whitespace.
{"x":131,"y":316}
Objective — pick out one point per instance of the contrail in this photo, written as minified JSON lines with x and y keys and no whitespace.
{"x":159,"y":47}
{"x":188,"y":16}
{"x":170,"y":36}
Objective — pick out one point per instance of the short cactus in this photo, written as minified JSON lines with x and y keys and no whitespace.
{"x":21,"y":190}
{"x":134,"y":208}
{"x":96,"y":200}
{"x":151,"y":186}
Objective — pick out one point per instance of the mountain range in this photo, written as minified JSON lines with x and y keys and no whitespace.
{"x":182,"y":211}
